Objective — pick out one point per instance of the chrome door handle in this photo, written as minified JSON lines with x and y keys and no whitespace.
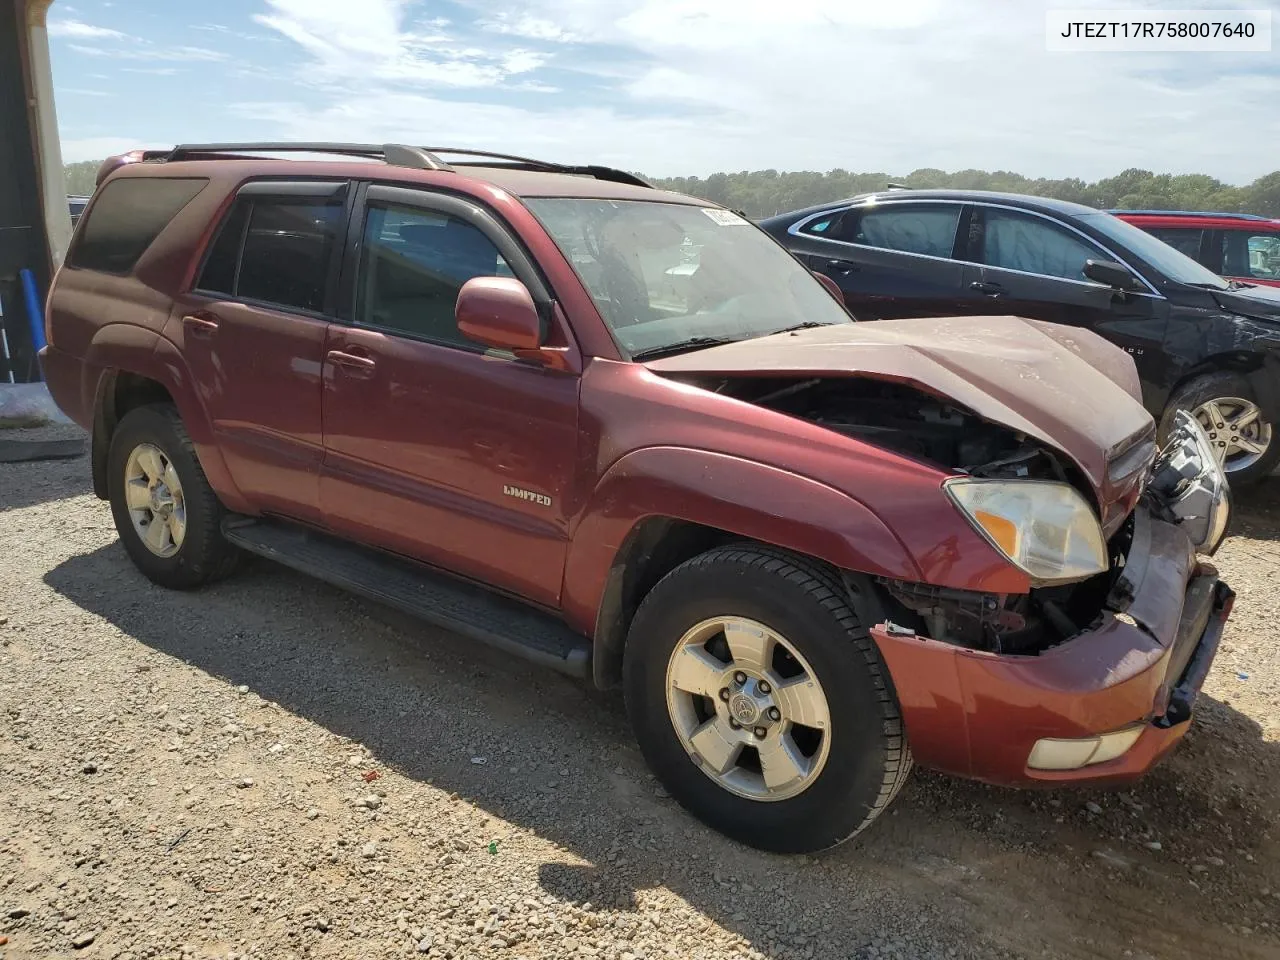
{"x":352,"y":362}
{"x":200,"y":326}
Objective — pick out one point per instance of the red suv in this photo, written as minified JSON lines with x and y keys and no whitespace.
{"x":624,"y":433}
{"x":1237,"y":246}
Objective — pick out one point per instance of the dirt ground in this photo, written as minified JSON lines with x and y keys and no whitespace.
{"x":270,"y":768}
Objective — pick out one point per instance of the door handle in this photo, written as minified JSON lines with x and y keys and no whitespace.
{"x":354,"y":364}
{"x":988,"y":288}
{"x":200,"y":326}
{"x":842,"y":267}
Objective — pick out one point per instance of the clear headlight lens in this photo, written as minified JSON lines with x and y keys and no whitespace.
{"x":1045,"y":528}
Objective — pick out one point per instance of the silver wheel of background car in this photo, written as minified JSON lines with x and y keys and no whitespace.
{"x":1237,"y":430}
{"x":748,"y":708}
{"x":153,"y":495}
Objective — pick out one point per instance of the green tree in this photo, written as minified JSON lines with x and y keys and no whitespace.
{"x":81,"y":176}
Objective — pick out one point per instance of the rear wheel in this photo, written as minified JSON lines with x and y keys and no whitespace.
{"x":168,"y":517}
{"x":1227,"y":408}
{"x":761,"y":702}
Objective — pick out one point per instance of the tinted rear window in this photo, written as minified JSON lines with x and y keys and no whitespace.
{"x":275,"y":250}
{"x":127,"y":216}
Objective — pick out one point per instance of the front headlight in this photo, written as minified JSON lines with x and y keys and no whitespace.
{"x":1045,"y":528}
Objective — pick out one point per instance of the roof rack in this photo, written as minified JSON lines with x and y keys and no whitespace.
{"x":396,"y":154}
{"x":1189,"y":213}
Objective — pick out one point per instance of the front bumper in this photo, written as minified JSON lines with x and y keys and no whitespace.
{"x":978,"y":714}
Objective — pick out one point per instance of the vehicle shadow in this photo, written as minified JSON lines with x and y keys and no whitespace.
{"x":985,"y":872}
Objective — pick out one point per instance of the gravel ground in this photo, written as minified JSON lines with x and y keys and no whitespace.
{"x":270,"y":768}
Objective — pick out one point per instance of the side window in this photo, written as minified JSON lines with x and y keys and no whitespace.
{"x":825,"y":226}
{"x":129,"y":214}
{"x":1182,"y":239}
{"x":1246,"y":254}
{"x":1018,"y":241}
{"x":412,"y":264}
{"x":275,"y":249}
{"x":928,"y":229}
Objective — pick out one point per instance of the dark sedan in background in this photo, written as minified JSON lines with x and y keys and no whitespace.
{"x":1200,"y":342}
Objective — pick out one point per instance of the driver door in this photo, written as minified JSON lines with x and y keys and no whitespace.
{"x":436,"y":447}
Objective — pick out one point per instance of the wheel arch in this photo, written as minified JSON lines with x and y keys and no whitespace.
{"x":134,"y":377}
{"x":654,"y":510}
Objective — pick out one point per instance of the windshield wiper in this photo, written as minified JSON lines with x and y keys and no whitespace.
{"x":693,"y":343}
{"x":1238,"y":285}
{"x":807,"y":325}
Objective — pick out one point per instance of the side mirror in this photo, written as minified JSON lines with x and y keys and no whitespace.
{"x":833,"y":288}
{"x":498,"y":312}
{"x":1110,"y":273}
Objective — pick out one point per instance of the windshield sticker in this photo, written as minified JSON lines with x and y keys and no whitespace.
{"x":725,"y":218}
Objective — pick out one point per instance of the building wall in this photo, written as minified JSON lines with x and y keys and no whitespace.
{"x":30,"y":175}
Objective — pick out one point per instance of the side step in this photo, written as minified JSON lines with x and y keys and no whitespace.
{"x":418,"y":591}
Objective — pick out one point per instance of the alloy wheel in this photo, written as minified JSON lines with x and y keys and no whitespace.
{"x":153,"y":494}
{"x":1236,"y":428}
{"x":748,"y":708}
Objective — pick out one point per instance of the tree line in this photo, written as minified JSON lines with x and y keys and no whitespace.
{"x":762,"y":193}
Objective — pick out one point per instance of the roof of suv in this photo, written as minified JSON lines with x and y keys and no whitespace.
{"x":519,"y":176}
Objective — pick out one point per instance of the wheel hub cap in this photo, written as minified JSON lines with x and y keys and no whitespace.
{"x":748,"y":708}
{"x":153,"y":495}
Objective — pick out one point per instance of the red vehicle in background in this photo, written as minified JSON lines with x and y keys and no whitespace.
{"x":625,"y":434}
{"x":1237,"y":246}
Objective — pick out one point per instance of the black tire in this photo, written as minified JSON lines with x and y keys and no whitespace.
{"x":1213,"y":386}
{"x":204,"y":556}
{"x":869,"y":758}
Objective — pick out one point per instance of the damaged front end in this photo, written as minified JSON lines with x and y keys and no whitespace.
{"x":1185,"y":487}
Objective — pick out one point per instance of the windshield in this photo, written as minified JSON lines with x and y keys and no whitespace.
{"x":1173,"y":264}
{"x":665,"y":273}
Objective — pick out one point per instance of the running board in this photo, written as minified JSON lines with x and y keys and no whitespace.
{"x":412,"y":588}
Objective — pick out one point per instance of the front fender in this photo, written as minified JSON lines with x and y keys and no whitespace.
{"x":742,"y":497}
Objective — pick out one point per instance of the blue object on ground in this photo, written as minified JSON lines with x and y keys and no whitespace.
{"x":35,"y":316}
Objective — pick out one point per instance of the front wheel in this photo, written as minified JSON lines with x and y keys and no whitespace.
{"x":761,"y":702}
{"x":1227,"y":408}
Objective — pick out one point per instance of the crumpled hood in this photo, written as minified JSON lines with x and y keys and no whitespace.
{"x":1065,"y":386}
{"x":1261,"y":301}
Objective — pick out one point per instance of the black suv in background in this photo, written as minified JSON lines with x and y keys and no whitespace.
{"x":1200,"y":343}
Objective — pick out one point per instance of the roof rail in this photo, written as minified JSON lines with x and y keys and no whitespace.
{"x":393,"y":153}
{"x":1188,"y":213}
{"x":397,"y":154}
{"x":526,"y":163}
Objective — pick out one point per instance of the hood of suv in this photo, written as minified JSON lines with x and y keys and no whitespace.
{"x":1064,"y":386}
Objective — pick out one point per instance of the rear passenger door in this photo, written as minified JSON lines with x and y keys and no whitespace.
{"x":891,"y":259}
{"x":253,"y":329}
{"x":436,"y":447}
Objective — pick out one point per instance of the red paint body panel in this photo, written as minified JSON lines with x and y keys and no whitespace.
{"x":1108,"y":678}
{"x":420,"y":451}
{"x":529,"y":473}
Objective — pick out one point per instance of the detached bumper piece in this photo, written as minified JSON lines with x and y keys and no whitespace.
{"x":1105,"y":706}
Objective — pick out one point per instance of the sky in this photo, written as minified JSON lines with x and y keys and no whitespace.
{"x":666,"y":87}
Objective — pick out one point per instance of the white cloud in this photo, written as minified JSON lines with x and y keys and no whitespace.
{"x":694,"y":86}
{"x":201,"y":54}
{"x":377,"y":42}
{"x":83,"y":31}
{"x":525,"y":25}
